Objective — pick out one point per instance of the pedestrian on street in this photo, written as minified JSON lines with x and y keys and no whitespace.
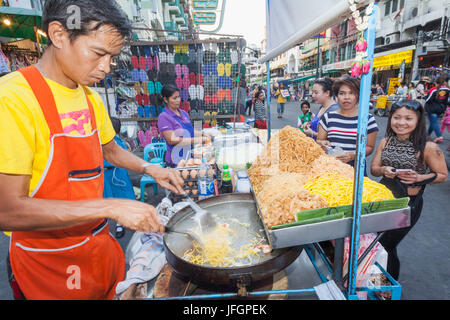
{"x":436,"y":104}
{"x":248,"y":102}
{"x":254,"y":92}
{"x":260,"y":111}
{"x":407,"y":162}
{"x":55,"y":134}
{"x":322,"y":95}
{"x":281,"y":100}
{"x":412,"y":92}
{"x":380,"y":90}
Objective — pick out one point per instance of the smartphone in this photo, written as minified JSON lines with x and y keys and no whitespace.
{"x":403,"y":170}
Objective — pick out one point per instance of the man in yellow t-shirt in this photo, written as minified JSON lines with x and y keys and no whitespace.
{"x":47,"y":112}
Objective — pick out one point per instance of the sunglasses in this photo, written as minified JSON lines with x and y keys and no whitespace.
{"x":409,"y":104}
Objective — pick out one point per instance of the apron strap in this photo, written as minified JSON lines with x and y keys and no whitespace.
{"x":91,"y":109}
{"x":45,"y":98}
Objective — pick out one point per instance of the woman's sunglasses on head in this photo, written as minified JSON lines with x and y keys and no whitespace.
{"x":409,"y":104}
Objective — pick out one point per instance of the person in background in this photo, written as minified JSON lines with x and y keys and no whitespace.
{"x":322,"y":94}
{"x":281,"y":100}
{"x":339,"y":128}
{"x":412,"y":92}
{"x":403,"y":89}
{"x":299,"y":95}
{"x":117,"y":180}
{"x":260,"y":111}
{"x":420,"y":88}
{"x":373,"y":89}
{"x":176,"y":127}
{"x":248,"y":102}
{"x":254,"y":92}
{"x":436,"y":104}
{"x":380,"y":90}
{"x":304,"y":119}
{"x":445,"y":125}
{"x":407,"y":162}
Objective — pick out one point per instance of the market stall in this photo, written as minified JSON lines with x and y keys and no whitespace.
{"x":206,"y":72}
{"x":297,"y":197}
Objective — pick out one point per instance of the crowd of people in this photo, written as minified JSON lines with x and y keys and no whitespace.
{"x":407,"y":158}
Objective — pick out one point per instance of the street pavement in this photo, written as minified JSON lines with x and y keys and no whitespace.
{"x":424,"y":252}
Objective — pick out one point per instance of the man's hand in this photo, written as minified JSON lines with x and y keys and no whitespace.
{"x":169,"y":179}
{"x":136,"y":215}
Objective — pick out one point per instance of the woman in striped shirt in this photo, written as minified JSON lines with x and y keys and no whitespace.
{"x":339,"y":128}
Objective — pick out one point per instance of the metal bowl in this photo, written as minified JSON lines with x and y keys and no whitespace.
{"x":227,"y":208}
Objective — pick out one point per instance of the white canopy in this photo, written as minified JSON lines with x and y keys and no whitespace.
{"x":290,"y":22}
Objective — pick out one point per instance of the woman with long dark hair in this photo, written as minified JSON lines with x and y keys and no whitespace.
{"x":407,"y":162}
{"x":176,"y":127}
{"x":260,"y":111}
{"x":322,"y":94}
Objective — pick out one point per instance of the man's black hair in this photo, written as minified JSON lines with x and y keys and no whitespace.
{"x":80,"y":17}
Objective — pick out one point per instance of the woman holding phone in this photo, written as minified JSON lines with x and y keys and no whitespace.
{"x":407,"y":162}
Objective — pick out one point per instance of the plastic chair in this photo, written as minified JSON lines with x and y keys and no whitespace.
{"x":158,"y":152}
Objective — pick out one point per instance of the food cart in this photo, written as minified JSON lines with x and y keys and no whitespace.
{"x":295,"y":242}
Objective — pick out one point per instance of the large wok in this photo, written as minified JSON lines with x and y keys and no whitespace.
{"x":238,"y":210}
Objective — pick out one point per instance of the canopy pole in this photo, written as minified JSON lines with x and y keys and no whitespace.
{"x":268,"y":98}
{"x":360,"y":157}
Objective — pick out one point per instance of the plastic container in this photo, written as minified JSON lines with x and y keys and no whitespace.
{"x":205,"y":181}
{"x":243,"y":182}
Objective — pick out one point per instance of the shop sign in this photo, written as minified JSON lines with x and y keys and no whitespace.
{"x":205,"y":4}
{"x":343,"y":65}
{"x":204,"y":17}
{"x":381,"y":102}
{"x":393,"y":59}
{"x":392,"y":83}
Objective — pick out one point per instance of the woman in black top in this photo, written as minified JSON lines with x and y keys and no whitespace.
{"x":407,"y":162}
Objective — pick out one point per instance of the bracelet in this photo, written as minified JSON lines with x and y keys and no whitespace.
{"x":144,"y":166}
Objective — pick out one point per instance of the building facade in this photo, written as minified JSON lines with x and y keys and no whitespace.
{"x":412,"y":41}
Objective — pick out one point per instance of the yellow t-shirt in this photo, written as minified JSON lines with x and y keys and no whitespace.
{"x":24,"y":134}
{"x":280,"y":99}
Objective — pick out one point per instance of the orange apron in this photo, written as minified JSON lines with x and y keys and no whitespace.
{"x":82,"y":262}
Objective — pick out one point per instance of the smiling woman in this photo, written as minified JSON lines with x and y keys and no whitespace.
{"x":407,"y":162}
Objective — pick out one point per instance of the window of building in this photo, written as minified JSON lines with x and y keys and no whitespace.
{"x":343,"y":27}
{"x":387,"y":8}
{"x":350,"y":51}
{"x":394,"y":5}
{"x":342,"y":53}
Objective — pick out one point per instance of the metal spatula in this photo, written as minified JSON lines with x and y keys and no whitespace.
{"x":203,"y":217}
{"x":187,"y":234}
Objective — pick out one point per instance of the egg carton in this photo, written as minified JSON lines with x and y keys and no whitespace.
{"x":191,"y":182}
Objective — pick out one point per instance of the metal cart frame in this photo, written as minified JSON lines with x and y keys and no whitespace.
{"x":351,"y":290}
